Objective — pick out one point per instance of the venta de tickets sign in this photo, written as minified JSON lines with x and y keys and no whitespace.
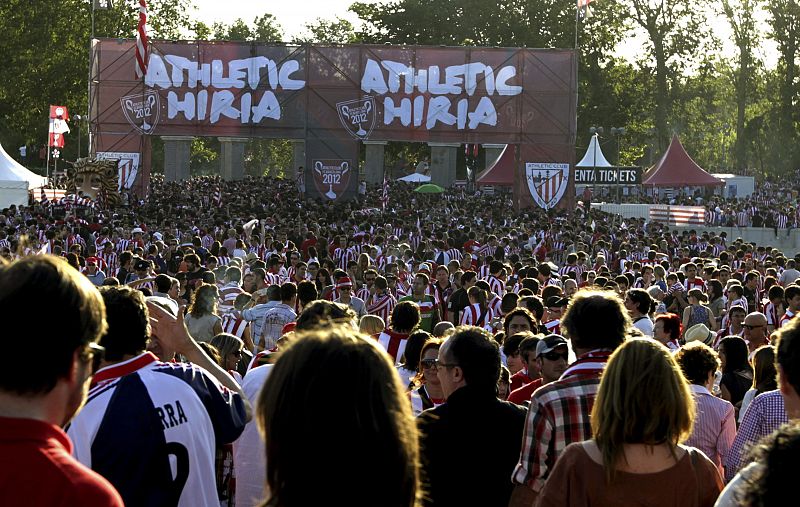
{"x":245,"y":90}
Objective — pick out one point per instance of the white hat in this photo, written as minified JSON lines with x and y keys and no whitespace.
{"x":158,"y":236}
{"x":700,"y":333}
{"x":137,"y":230}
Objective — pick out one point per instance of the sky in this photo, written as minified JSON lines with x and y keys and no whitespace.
{"x":293,"y":15}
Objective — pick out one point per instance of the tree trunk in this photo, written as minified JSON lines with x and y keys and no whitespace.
{"x":740,"y":148}
{"x":662,"y":93}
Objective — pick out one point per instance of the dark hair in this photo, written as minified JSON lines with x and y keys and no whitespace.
{"x":373,"y":436}
{"x":163,"y":283}
{"x":641,"y":298}
{"x":696,"y":360}
{"x":534,"y":304}
{"x":322,"y":313}
{"x":128,"y":322}
{"x":524,"y":312}
{"x":307,"y":292}
{"x":788,"y":352}
{"x":473,"y":349}
{"x":773,"y":482}
{"x":736,"y":353}
{"x":595,"y":319}
{"x":75,"y":317}
{"x":288,"y":291}
{"x":765,"y":376}
{"x":672,"y":324}
{"x":528,"y":346}
{"x":414,"y":344}
{"x":791,"y":291}
{"x":405,"y":316}
{"x":511,"y":343}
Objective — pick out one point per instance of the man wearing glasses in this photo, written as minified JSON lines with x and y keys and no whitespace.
{"x":455,"y":446}
{"x":755,"y":331}
{"x":345,"y":288}
{"x":35,"y":454}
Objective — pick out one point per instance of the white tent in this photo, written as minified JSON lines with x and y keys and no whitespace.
{"x":15,"y":180}
{"x":594,"y":156}
{"x":415,"y":178}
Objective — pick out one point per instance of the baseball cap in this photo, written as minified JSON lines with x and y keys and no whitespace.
{"x":344,"y":282}
{"x":91,"y":260}
{"x":550,"y":343}
{"x":141,"y":265}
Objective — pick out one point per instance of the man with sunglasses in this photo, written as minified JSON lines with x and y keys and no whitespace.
{"x":36,"y":464}
{"x":755,"y":331}
{"x":346,"y":297}
{"x":552,"y":358}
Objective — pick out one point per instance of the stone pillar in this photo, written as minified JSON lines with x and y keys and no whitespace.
{"x":443,"y":163}
{"x":298,"y":157}
{"x":493,"y":152}
{"x":177,"y":153}
{"x":231,"y":157}
{"x":374,"y":165}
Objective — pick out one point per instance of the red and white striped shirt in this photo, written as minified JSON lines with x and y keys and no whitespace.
{"x":382,"y":306}
{"x":496,"y":285}
{"x":227,"y":295}
{"x":472,"y":317}
{"x":234,"y":324}
{"x":786,"y":318}
{"x":394,"y":343}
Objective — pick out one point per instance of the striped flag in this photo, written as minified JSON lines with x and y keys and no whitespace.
{"x":584,"y":9}
{"x":218,"y":196}
{"x":678,"y":215}
{"x":384,"y":193}
{"x":44,"y":199}
{"x":142,"y":53}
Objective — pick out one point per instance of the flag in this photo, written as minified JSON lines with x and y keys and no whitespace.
{"x":44,"y":199}
{"x":584,"y":9}
{"x":142,"y":53}
{"x":384,"y":193}
{"x":218,"y":196}
{"x":59,"y":115}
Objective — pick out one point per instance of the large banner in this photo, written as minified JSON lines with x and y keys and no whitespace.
{"x":349,"y":94}
{"x":678,"y":215}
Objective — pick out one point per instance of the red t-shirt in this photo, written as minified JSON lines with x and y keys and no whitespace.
{"x":37,"y":468}
{"x":524,"y":393}
{"x":519,"y":379}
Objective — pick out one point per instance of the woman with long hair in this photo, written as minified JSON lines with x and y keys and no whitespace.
{"x":478,"y":312}
{"x":372,"y":443}
{"x":643,"y":411}
{"x":323,"y":280}
{"x":717,"y":300}
{"x":697,"y":312}
{"x":230,"y":350}
{"x":765,"y":376}
{"x":409,"y":363}
{"x":202,"y":320}
{"x":737,"y":374}
{"x":427,"y":392}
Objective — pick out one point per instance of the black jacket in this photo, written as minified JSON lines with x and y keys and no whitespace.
{"x":469,"y":448}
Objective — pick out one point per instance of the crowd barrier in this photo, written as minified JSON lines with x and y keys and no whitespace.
{"x":786,"y":240}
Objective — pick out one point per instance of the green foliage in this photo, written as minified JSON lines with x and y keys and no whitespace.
{"x":336,"y":31}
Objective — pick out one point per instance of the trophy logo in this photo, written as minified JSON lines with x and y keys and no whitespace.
{"x":547,"y":182}
{"x":358,"y":116}
{"x":331,"y":177}
{"x":142,"y":110}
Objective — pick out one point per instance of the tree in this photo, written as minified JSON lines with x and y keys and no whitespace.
{"x":676,"y":32}
{"x":739,"y":14}
{"x":325,"y":31}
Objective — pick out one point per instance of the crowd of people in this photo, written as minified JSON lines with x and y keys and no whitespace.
{"x":233,"y":343}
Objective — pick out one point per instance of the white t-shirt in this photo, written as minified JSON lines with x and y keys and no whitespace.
{"x":645,"y":325}
{"x":248,"y":451}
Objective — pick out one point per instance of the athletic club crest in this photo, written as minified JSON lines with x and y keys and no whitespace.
{"x":358,"y":116}
{"x":331,"y":177}
{"x":142,"y":110}
{"x":547,"y":182}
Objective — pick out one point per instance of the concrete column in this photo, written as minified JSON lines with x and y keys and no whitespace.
{"x":443,"y":163}
{"x":298,"y":157}
{"x":177,"y":153}
{"x":231,"y":157}
{"x":375,"y":162}
{"x":493,"y":152}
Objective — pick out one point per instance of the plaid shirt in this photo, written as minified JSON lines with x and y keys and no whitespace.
{"x":559,"y":414}
{"x":764,"y":415}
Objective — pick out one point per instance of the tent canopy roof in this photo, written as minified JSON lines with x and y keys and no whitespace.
{"x":13,"y":171}
{"x":677,"y":169}
{"x":501,"y":173}
{"x":594,"y":156}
